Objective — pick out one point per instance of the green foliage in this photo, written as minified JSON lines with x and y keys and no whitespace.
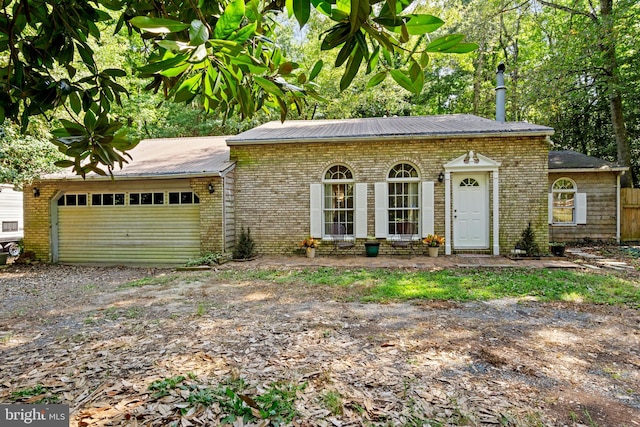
{"x":24,"y":158}
{"x":161,"y":387}
{"x":276,"y":404}
{"x":208,"y":258}
{"x":245,"y":247}
{"x":458,"y":285}
{"x":221,"y":56}
{"x":528,"y":242}
{"x":47,"y":398}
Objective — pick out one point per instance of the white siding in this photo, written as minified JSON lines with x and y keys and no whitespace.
{"x":11,"y":211}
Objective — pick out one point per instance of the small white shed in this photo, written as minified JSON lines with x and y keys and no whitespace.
{"x":11,"y":219}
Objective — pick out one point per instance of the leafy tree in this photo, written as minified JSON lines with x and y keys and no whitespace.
{"x":24,"y":158}
{"x":221,"y":55}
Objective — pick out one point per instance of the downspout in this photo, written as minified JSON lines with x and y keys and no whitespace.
{"x":501,"y":95}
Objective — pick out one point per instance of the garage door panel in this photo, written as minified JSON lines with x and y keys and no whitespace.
{"x":168,"y":234}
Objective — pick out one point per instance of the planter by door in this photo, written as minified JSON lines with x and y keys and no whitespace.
{"x":372,"y":248}
{"x":311,"y":252}
{"x":3,"y":258}
{"x":433,"y":251}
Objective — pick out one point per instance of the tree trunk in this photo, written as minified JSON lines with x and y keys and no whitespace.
{"x":608,"y":47}
{"x":612,"y":79}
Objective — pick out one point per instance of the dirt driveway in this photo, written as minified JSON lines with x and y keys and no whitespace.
{"x":88,"y":338}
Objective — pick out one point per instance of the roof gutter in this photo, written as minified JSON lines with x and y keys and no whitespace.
{"x":377,"y":138}
{"x":607,"y":169}
{"x":219,"y":173}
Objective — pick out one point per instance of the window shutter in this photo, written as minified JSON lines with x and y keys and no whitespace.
{"x":382,"y":202}
{"x":360,"y":197}
{"x":550,"y":202}
{"x":315,"y":203}
{"x":581,"y":208}
{"x":428,"y":222}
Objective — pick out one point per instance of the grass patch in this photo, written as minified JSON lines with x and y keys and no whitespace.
{"x":235,"y":399}
{"x":150,"y":281}
{"x":382,"y":286}
{"x":28,"y":394}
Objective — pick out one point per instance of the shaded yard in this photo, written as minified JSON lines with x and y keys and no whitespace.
{"x":154,"y":347}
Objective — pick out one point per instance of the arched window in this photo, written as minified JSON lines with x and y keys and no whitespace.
{"x":564,"y":192}
{"x":338,"y":211}
{"x":404,"y":200}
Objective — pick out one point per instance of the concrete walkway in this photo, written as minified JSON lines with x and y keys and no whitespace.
{"x":404,"y":262}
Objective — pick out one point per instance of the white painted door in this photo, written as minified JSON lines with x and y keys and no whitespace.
{"x":470,"y":211}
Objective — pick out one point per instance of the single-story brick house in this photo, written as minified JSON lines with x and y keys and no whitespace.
{"x":477,"y":182}
{"x":584,"y":198}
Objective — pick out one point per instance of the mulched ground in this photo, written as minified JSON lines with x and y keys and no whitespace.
{"x":98,"y":347}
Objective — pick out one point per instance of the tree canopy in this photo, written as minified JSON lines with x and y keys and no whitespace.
{"x":224,"y":55}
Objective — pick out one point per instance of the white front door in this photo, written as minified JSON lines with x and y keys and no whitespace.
{"x":470,"y":211}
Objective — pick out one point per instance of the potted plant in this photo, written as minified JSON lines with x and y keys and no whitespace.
{"x":433,"y":243}
{"x":310,"y":244}
{"x":372,"y":246}
{"x":557,"y":248}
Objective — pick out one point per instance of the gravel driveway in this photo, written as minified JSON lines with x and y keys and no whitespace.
{"x":96,"y":340}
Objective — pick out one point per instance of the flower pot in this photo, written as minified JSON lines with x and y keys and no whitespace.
{"x":372,"y":248}
{"x":311,"y":252}
{"x":433,"y":251}
{"x":3,"y":258}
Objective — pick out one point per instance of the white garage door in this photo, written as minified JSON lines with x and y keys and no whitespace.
{"x":149,"y":227}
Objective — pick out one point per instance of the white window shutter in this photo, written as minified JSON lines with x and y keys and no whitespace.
{"x":428,"y":220}
{"x":581,"y":208}
{"x":550,"y":201}
{"x":315,"y":203}
{"x":360,"y":198}
{"x":382,"y":215}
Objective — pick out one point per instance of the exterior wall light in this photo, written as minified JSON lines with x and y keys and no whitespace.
{"x":211,"y":189}
{"x":36,"y":192}
{"x":441,"y":177}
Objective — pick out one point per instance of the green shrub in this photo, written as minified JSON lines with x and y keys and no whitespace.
{"x":245,"y":247}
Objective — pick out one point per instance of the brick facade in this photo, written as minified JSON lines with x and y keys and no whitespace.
{"x":273,"y":182}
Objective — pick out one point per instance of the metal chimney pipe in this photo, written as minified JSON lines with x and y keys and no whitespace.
{"x":501,"y":95}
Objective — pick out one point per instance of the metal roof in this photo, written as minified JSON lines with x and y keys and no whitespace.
{"x":171,"y":157}
{"x":567,"y":160}
{"x":442,"y":126}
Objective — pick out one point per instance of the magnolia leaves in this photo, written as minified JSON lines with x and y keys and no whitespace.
{"x":363,"y":37}
{"x":229,"y":64}
{"x":94,"y":142}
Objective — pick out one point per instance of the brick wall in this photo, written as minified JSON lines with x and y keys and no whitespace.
{"x":37,"y":215}
{"x":211,"y":223}
{"x":273,"y":181}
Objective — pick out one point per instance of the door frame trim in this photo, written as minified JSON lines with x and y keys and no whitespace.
{"x":483,"y":180}
{"x":467,"y":163}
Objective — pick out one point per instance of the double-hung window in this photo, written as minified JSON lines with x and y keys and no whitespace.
{"x":566,"y":205}
{"x":403,"y":184}
{"x":338,"y":207}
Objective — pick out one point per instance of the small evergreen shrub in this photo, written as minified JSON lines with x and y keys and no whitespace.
{"x":245,"y":247}
{"x":528,"y":242}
